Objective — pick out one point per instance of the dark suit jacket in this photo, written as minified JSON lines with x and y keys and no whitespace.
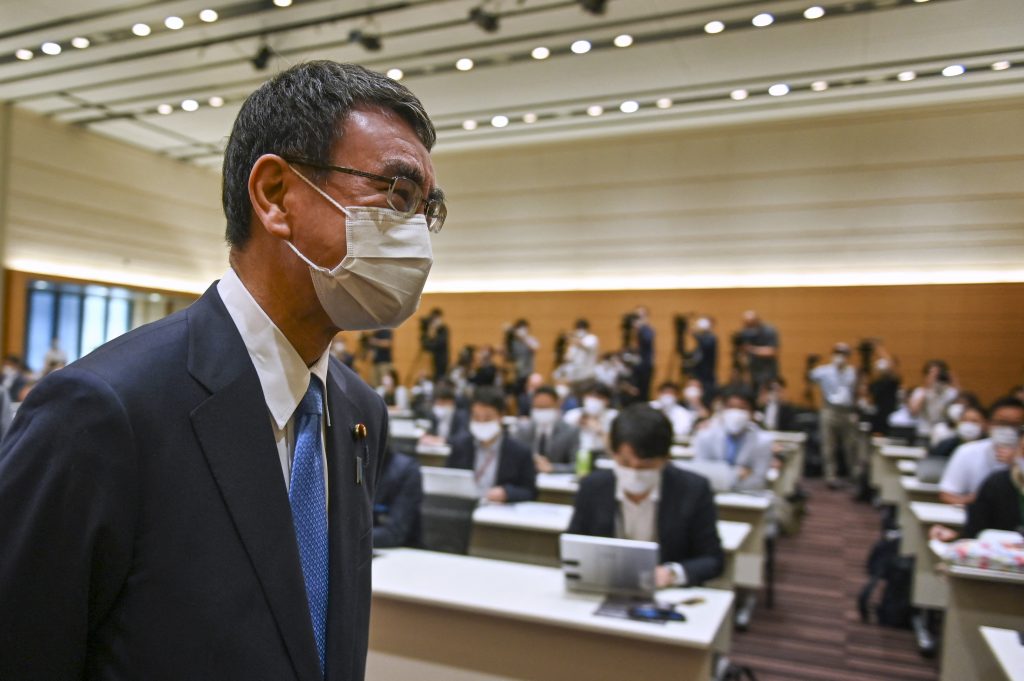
{"x":459,"y":425}
{"x":144,"y":520}
{"x":687,"y":519}
{"x":396,"y":510}
{"x":516,"y":472}
{"x":561,"y":447}
{"x":997,"y":506}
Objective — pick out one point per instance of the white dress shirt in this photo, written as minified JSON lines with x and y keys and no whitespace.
{"x":283,"y":375}
{"x":639,"y":522}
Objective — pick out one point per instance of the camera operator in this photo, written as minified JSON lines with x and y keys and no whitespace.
{"x":381,"y":345}
{"x":434,"y":339}
{"x":521,"y":348}
{"x":837,"y":381}
{"x":929,"y":401}
{"x":702,"y":362}
{"x":643,"y":334}
{"x":759,"y":342}
{"x":581,"y":356}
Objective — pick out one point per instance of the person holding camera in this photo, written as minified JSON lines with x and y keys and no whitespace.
{"x":759,"y":342}
{"x":434,"y":339}
{"x":702,"y":362}
{"x":643,"y":333}
{"x":837,"y":381}
{"x":929,"y":401}
{"x":521,"y":347}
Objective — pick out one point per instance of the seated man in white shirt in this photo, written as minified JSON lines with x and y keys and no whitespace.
{"x":554,"y":442}
{"x":646,"y":499}
{"x":974,"y":461}
{"x":681,"y":418}
{"x":594,"y":419}
{"x":735,"y":439}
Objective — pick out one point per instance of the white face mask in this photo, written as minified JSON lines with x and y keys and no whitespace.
{"x":955,"y":411}
{"x":968,"y":430}
{"x":703,"y":324}
{"x":636,"y":481}
{"x":693,"y":394}
{"x":544,"y":417}
{"x":667,"y":401}
{"x":735,"y":420}
{"x":443,"y":411}
{"x":839,"y":360}
{"x":1005,"y":436}
{"x":562,"y":391}
{"x":379,"y":282}
{"x":882,"y":365}
{"x":593,"y":406}
{"x":484,"y":431}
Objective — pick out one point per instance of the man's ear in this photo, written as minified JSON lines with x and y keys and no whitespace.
{"x":267,"y":188}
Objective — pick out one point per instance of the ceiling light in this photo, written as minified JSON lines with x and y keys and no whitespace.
{"x":1000,"y":66}
{"x":663,"y":103}
{"x":141,"y":30}
{"x":778,"y":90}
{"x":216,"y":102}
{"x":283,"y":3}
{"x":395,"y":74}
{"x":464,"y":64}
{"x":174,"y":23}
{"x":953,"y":70}
{"x":714,"y":27}
{"x":595,"y":110}
{"x":23,"y":54}
{"x":580,"y":47}
{"x":763,"y":19}
{"x":624,"y":40}
{"x":368,"y":41}
{"x":739,"y":95}
{"x":814,"y":12}
{"x":920,"y":1}
{"x":262,"y":58}
{"x":629,"y":106}
{"x":540,"y":53}
{"x":499,"y":121}
{"x":208,"y":16}
{"x":529,"y":118}
{"x":469,"y":125}
{"x":484,"y":19}
{"x":593,"y":6}
{"x":189,"y":105}
{"x":80,"y":42}
{"x":165,"y":109}
{"x":819,"y":85}
{"x":50,"y":48}
{"x":906,"y":76}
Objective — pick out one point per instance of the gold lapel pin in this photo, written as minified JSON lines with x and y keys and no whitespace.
{"x":359,"y":431}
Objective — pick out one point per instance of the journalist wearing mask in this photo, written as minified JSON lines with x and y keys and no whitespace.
{"x":194,"y":500}
{"x":735,"y":439}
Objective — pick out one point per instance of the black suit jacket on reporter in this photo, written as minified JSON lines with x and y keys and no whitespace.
{"x":516,"y":472}
{"x":145,"y":529}
{"x":687,"y":519}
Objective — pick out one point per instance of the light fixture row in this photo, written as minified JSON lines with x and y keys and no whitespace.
{"x":189,"y":105}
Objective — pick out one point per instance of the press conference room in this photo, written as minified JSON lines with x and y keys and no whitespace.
{"x":597,"y":339}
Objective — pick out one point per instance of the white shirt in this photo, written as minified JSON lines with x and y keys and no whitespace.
{"x":283,"y":375}
{"x":970,"y":464}
{"x":639,"y":520}
{"x":486,"y":459}
{"x":838,"y":385}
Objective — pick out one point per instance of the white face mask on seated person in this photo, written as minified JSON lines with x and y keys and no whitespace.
{"x":593,"y":406}
{"x":636,"y":481}
{"x":735,"y":420}
{"x":667,"y":401}
{"x":544,"y":417}
{"x":1006,"y":437}
{"x":968,"y":430}
{"x":484,"y":431}
{"x":443,"y":411}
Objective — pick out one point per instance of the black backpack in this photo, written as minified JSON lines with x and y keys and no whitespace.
{"x":886,"y":564}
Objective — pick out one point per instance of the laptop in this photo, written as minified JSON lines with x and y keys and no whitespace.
{"x":449,"y":482}
{"x":721,"y":475}
{"x":617,"y":567}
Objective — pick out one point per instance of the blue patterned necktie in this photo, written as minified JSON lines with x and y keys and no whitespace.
{"x":308,"y":500}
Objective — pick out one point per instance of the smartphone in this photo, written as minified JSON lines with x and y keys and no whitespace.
{"x":650,"y":613}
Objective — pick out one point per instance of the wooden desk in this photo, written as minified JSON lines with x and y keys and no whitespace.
{"x":1006,"y":647}
{"x":682,"y":452}
{"x":978,"y":598}
{"x":557,"y":488}
{"x":884,"y":473}
{"x":907,"y":467}
{"x":930,"y":588}
{"x":752,"y":510}
{"x":433,"y":455}
{"x":913,"y":489}
{"x":441,"y":617}
{"x":528,"y":532}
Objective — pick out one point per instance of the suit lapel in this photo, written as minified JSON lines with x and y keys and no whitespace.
{"x":233,"y":429}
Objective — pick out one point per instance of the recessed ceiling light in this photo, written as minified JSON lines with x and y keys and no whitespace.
{"x":580,"y":47}
{"x":540,"y":53}
{"x":778,"y":90}
{"x":763,"y":19}
{"x":283,"y":3}
{"x":629,"y":106}
{"x":464,"y":64}
{"x":80,"y":42}
{"x":216,"y":102}
{"x":624,"y":40}
{"x":595,"y":110}
{"x":208,"y":16}
{"x":529,"y":117}
{"x":174,"y":23}
{"x":50,"y":48}
{"x":1000,"y":66}
{"x":714,"y":27}
{"x":141,"y":30}
{"x":469,"y":125}
{"x":164,"y":109}
{"x":23,"y":54}
{"x":953,"y":70}
{"x":663,"y":103}
{"x":189,"y":105}
{"x":819,"y":85}
{"x":921,"y":1}
{"x":499,"y":121}
{"x":395,"y":74}
{"x":814,"y":12}
{"x":739,"y":95}
{"x":906,"y":76}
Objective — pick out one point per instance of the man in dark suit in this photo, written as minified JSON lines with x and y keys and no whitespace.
{"x":396,"y":508}
{"x":554,"y":442}
{"x":503,"y":467}
{"x":645,"y":498}
{"x":435,"y":341}
{"x":194,"y":499}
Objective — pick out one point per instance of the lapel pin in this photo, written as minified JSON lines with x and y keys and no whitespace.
{"x":359,"y":431}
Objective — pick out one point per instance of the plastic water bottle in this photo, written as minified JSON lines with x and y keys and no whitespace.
{"x":583,"y":462}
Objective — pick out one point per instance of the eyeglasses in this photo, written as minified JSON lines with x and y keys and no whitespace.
{"x":404,"y":195}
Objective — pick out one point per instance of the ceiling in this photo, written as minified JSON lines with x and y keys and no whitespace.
{"x":673,"y":74}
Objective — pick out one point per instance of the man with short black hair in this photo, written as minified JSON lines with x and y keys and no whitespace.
{"x":735,"y":439}
{"x":194,"y":500}
{"x":974,"y":461}
{"x":645,"y":498}
{"x":554,"y":442}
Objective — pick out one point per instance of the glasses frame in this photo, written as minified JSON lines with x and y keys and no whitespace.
{"x":435,"y":211}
